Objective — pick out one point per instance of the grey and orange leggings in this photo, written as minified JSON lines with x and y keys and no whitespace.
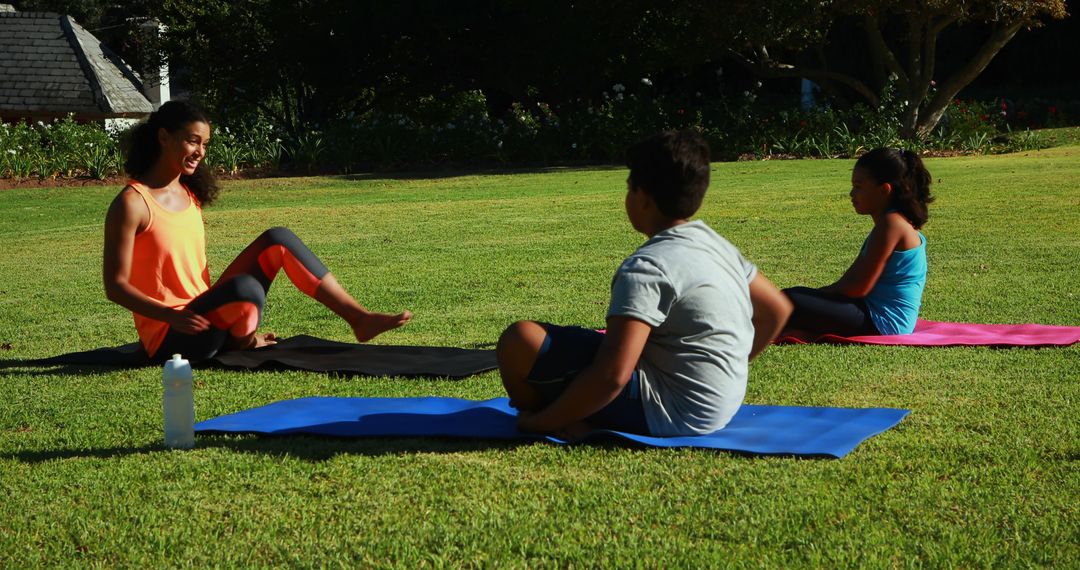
{"x":234,"y":304}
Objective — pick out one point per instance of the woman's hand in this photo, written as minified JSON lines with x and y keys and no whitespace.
{"x":264,"y":339}
{"x":188,"y":322}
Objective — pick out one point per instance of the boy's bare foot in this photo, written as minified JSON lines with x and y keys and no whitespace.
{"x":371,"y":325}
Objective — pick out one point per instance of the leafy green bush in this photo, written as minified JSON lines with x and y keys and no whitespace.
{"x":461,"y":128}
{"x":60,"y":148}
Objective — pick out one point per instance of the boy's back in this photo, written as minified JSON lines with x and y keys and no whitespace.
{"x":687,"y":313}
{"x":691,"y":285}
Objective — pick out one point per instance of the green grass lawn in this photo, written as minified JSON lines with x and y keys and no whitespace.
{"x":982,"y":473}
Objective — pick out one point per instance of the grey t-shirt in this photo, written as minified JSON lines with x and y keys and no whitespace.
{"x":692,"y":287}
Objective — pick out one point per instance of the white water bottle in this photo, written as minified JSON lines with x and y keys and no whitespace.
{"x":179,"y":403}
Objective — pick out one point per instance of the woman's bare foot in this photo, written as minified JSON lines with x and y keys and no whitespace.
{"x":370,"y":325}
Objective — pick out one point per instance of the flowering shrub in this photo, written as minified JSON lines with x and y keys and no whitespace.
{"x":59,"y":148}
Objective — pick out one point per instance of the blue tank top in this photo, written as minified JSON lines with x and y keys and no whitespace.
{"x":895,"y":299}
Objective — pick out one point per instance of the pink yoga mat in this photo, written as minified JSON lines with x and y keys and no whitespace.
{"x":932,"y":333}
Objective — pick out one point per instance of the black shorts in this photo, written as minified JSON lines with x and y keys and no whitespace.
{"x":565,"y":353}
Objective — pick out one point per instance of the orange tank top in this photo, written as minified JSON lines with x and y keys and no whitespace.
{"x":168,"y":262}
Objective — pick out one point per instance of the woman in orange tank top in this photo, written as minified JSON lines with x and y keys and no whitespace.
{"x":155,"y":253}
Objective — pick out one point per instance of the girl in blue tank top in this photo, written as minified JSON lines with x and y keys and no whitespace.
{"x":882,"y":290}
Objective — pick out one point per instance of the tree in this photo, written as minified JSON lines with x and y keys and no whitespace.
{"x":114,"y":24}
{"x":315,"y":60}
{"x":899,"y":43}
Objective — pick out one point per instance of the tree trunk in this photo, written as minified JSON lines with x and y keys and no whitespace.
{"x":937,"y":106}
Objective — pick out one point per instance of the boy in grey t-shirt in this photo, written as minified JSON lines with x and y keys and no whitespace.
{"x":687,"y":312}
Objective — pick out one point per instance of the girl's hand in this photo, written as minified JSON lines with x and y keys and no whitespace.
{"x":188,"y":322}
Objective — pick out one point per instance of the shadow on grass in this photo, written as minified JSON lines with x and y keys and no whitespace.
{"x":317,"y":449}
{"x":299,"y":447}
{"x":478,"y":171}
{"x":33,"y":367}
{"x":95,"y":361}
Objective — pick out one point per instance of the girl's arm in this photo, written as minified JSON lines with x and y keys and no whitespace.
{"x":860,"y":278}
{"x":126,"y":217}
{"x":597,"y":385}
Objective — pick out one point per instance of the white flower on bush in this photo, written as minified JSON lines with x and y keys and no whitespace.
{"x":498,"y":144}
{"x":646,"y":81}
{"x":618,"y":88}
{"x":618,"y":97}
{"x":11,"y":151}
{"x":757,"y":84}
{"x":573,"y":146}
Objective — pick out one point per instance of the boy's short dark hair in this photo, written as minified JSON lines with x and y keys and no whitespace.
{"x":673,"y":168}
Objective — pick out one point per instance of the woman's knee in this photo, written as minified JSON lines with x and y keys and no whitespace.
{"x":243,"y":288}
{"x":279,"y":235}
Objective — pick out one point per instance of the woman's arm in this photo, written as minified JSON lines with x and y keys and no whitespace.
{"x":860,"y":278}
{"x":771,"y":311}
{"x":126,"y":217}
{"x":597,"y":385}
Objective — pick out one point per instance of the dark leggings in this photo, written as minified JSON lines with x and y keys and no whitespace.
{"x":234,"y":304}
{"x":828,"y":313}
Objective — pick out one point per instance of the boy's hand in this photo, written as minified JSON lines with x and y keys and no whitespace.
{"x":574,"y":431}
{"x":527,"y":422}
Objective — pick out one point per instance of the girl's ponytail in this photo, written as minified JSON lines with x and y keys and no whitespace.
{"x":905,"y":171}
{"x":143,"y":148}
{"x":919,"y":180}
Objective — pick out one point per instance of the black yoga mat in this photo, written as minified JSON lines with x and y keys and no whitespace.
{"x":305,"y":352}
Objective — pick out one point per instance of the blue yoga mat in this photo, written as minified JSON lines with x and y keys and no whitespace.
{"x":761,"y":430}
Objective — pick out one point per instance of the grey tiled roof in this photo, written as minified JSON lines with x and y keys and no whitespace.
{"x":50,"y":64}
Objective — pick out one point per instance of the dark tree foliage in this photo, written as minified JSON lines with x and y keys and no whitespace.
{"x":856,"y":46}
{"x":114,"y":23}
{"x":305,"y":62}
